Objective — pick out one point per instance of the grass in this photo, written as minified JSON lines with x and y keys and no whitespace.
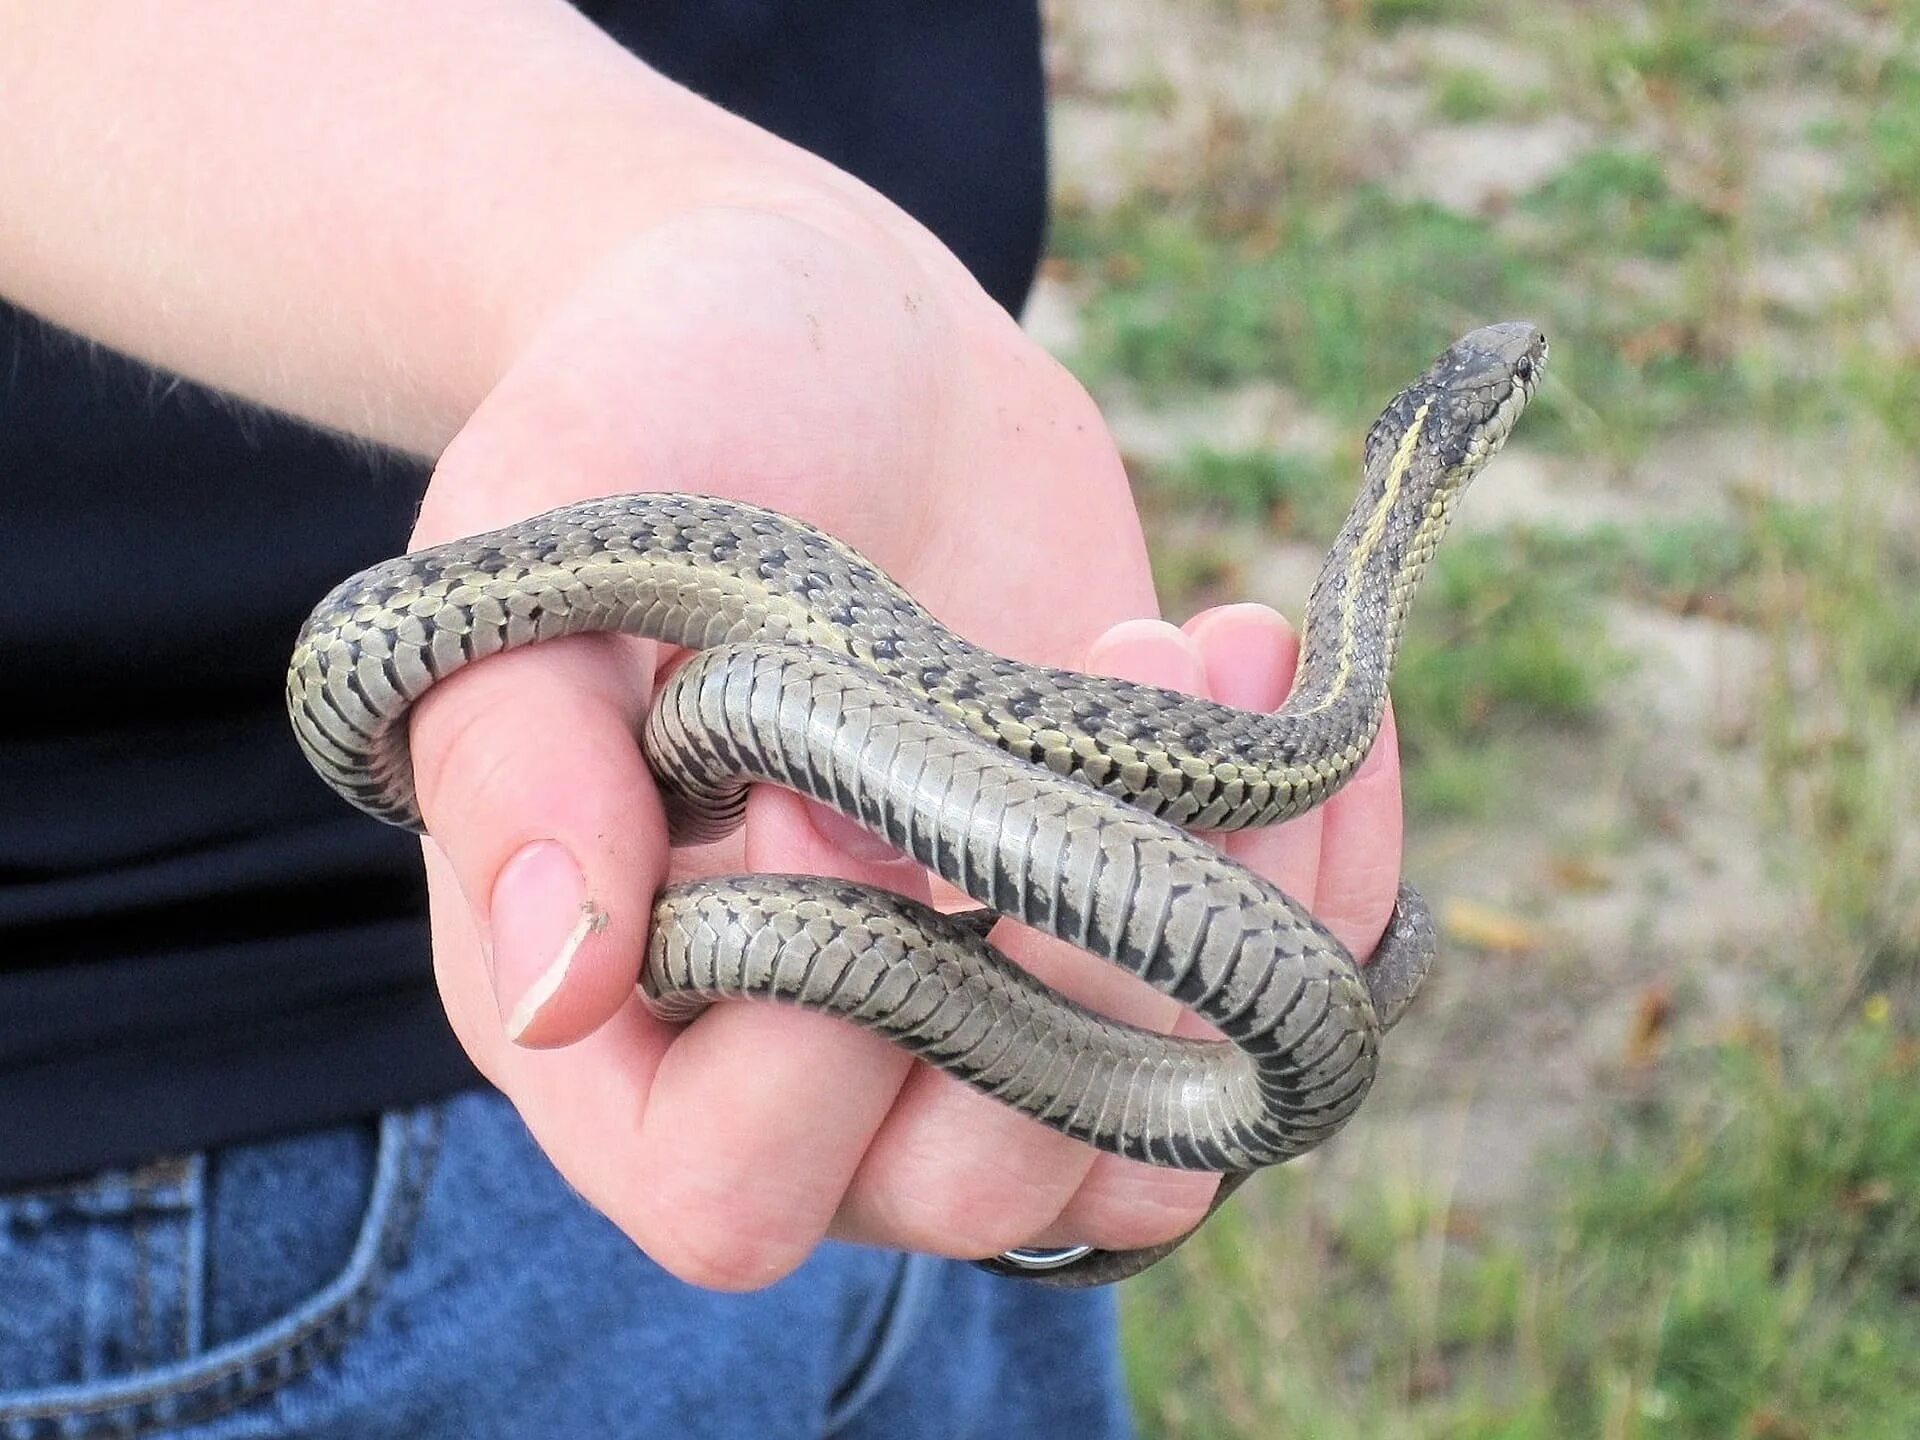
{"x":1728,"y":1243}
{"x":1678,"y":50}
{"x":1500,"y":635}
{"x":1199,"y":570}
{"x":1624,"y":199}
{"x":1290,"y":492}
{"x":1390,"y":15}
{"x":1500,"y":644}
{"x":1328,"y":302}
{"x":1741,"y":1262}
{"x":1463,"y":96}
{"x":1347,"y":300}
{"x":1846,"y":679}
{"x":1891,"y":159}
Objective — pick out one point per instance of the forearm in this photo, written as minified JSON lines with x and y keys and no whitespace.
{"x":354,"y":211}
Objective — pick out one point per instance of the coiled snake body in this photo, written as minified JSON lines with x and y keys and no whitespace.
{"x":821,"y":674}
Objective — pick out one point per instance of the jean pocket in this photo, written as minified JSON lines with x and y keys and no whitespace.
{"x":138,"y":1301}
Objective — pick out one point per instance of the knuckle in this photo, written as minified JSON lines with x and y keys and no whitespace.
{"x":457,"y":753}
{"x":726,"y":1254}
{"x":1139,"y":1210}
{"x":722,"y":1223}
{"x":979,"y":1210}
{"x":487,"y":772}
{"x":704,"y":1227}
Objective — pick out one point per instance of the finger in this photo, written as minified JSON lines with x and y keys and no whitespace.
{"x":1360,"y":851}
{"x":633,"y":1116}
{"x":955,"y":1172}
{"x":592,"y":1107}
{"x":1341,"y":860}
{"x":1123,"y":1204}
{"x":759,"y":1114}
{"x":1250,"y":652}
{"x":557,"y":847}
{"x":583,"y":1103}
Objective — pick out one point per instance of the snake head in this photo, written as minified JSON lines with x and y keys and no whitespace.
{"x":1461,"y":411}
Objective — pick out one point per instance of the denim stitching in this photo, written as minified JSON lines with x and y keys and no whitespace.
{"x":204,"y":1393}
{"x":193,"y":1260}
{"x":184,"y":1289}
{"x":903,"y":1311}
{"x":142,"y":1289}
{"x":200,"y":1395}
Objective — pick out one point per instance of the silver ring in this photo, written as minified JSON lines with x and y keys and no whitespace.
{"x":1037,"y":1261}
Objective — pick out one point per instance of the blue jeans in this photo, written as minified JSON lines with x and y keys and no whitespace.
{"x":430,"y":1275}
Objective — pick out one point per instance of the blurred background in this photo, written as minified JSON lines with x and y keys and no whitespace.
{"x":1646,"y":1159}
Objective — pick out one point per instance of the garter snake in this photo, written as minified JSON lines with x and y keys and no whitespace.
{"x":1057,"y":799}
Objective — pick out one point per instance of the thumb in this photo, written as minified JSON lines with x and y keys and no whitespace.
{"x":533,"y":786}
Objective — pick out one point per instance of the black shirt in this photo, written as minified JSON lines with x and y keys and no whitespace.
{"x":199,"y":943}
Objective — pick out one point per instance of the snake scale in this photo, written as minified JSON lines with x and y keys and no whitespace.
{"x":1059,"y":800}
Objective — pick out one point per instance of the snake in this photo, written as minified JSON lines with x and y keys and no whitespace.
{"x":1063,"y":801}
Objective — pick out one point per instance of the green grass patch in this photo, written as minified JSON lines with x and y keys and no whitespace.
{"x":1891,"y":156}
{"x":1458,"y":780}
{"x":1678,"y":51}
{"x":1190,"y":574}
{"x":1612,"y":199}
{"x":1886,"y":390}
{"x":1686,"y":565}
{"x":1743,"y":1260}
{"x":1286,"y":493}
{"x":1690,"y":566}
{"x":1818,"y":1158}
{"x":1349,"y":301}
{"x":1497,"y":640}
{"x":1344,"y":305}
{"x":1846,"y":676}
{"x":1876,"y":141}
{"x":1501,"y":643}
{"x":1464,"y":95}
{"x":1389,"y":15}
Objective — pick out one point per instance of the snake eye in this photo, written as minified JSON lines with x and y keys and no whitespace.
{"x":1523,"y":367}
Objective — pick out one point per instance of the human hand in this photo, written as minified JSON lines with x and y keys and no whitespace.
{"x":844,"y":370}
{"x":649,"y":293}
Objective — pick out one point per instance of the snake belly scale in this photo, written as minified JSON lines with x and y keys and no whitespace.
{"x":1052,"y":798}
